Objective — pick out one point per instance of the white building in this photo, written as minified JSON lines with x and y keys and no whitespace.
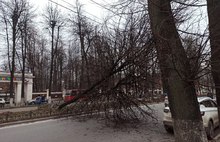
{"x":28,"y":86}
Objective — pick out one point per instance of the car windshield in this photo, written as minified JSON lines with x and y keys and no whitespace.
{"x":68,"y":94}
{"x":38,"y":98}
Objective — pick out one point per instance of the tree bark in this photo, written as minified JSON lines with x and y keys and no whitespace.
{"x":55,"y":65}
{"x":53,"y":24}
{"x":15,"y":18}
{"x":24,"y":54}
{"x":175,"y":68}
{"x":213,"y":7}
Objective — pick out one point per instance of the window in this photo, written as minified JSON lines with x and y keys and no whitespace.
{"x":208,"y":103}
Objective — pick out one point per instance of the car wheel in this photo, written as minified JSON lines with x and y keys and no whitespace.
{"x":210,"y":132}
{"x":168,"y":129}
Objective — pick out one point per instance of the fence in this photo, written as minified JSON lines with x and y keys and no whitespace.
{"x":41,"y":112}
{"x":48,"y":110}
{"x":54,"y":95}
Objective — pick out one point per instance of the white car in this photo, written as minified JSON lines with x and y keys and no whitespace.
{"x":209,"y":112}
{"x":2,"y":101}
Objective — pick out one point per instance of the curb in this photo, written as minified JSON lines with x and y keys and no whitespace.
{"x":34,"y":120}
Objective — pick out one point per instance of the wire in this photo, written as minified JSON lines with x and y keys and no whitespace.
{"x":116,"y":13}
{"x":83,"y":15}
{"x":84,"y":11}
{"x":63,"y":6}
{"x":103,"y":6}
{"x":74,"y":11}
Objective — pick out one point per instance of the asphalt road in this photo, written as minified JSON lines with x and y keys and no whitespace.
{"x":75,"y":130}
{"x":91,"y":130}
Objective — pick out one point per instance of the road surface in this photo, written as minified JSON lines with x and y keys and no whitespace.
{"x":74,"y":130}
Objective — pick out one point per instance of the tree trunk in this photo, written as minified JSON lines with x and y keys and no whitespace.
{"x":53,"y":24}
{"x":82,"y":45}
{"x":24,"y":54}
{"x":55,"y":73}
{"x":214,"y":31}
{"x":175,"y":67}
{"x":12,"y":71}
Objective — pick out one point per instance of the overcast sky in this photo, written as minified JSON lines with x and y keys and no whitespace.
{"x":91,"y":9}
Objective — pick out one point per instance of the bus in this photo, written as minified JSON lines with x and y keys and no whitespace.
{"x":71,"y":94}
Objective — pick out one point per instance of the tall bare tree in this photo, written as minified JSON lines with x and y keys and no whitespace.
{"x":213,"y":7}
{"x":53,"y":19}
{"x":117,"y":58}
{"x":12,"y":11}
{"x":82,"y":29}
{"x":24,"y":26}
{"x":176,"y":68}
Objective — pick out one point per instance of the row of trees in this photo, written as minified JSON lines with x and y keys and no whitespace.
{"x":179,"y":68}
{"x":75,"y":53}
{"x":116,"y":62}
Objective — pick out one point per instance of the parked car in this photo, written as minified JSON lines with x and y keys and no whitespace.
{"x":209,"y":112}
{"x":71,"y":94}
{"x":2,"y":102}
{"x":38,"y":100}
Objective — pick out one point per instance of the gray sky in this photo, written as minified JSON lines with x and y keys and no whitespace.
{"x":91,"y":9}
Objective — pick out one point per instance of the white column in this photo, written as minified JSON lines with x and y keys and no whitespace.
{"x":18,"y":93}
{"x":64,"y":93}
{"x":47,"y":96}
{"x":25,"y":91}
{"x":29,"y":91}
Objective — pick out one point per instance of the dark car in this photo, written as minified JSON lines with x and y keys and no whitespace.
{"x":38,"y":100}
